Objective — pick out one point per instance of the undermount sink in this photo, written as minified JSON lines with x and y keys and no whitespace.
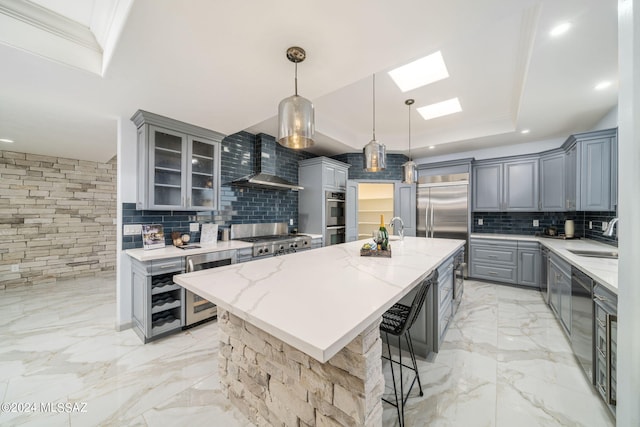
{"x":595,"y":254}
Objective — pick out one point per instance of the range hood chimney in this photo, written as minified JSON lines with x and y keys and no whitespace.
{"x":265,"y":168}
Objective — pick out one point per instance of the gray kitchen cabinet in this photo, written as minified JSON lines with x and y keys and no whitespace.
{"x":318,"y":175}
{"x":443,"y":302}
{"x":560,"y":291}
{"x":487,"y":187}
{"x":429,"y":329}
{"x":591,"y":171}
{"x":156,"y":299}
{"x":571,"y":178}
{"x":614,"y":173}
{"x":493,"y":259}
{"x":178,"y":164}
{"x":529,"y":259}
{"x":351,"y":214}
{"x":595,"y":175}
{"x":509,"y":186}
{"x":405,"y":206}
{"x":521,"y":191}
{"x":552,"y":182}
{"x":506,"y":261}
{"x":334,"y":176}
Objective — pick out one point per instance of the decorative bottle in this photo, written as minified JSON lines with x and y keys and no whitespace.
{"x":383,"y":236}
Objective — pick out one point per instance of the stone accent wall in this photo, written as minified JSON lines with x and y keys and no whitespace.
{"x":56,"y":218}
{"x":275,"y":384}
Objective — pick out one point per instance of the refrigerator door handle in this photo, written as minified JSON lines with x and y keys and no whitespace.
{"x":431,"y":221}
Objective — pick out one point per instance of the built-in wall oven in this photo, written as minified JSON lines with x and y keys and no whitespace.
{"x":335,"y":222}
{"x":197,"y":309}
{"x":335,"y":208}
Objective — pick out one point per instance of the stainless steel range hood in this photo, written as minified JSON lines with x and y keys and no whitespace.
{"x":265,"y":167}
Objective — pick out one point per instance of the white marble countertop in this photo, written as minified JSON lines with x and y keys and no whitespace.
{"x":173,"y":252}
{"x":318,"y":301}
{"x":602,"y":270}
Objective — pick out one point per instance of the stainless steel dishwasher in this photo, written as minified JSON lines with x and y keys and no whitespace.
{"x":544,"y":277}
{"x":582,"y":321}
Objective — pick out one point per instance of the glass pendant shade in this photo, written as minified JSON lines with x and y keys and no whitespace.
{"x":296,"y":122}
{"x":409,"y":167}
{"x":409,"y":172}
{"x":374,"y":153}
{"x":375,"y":156}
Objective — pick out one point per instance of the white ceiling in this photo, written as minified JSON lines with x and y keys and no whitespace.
{"x":222,"y":65}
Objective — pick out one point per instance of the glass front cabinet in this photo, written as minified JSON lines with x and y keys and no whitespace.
{"x":178,"y":164}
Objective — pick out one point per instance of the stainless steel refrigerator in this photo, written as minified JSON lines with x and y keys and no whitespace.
{"x":443,"y":208}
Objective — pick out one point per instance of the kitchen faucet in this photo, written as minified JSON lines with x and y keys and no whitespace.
{"x":391,"y":223}
{"x":609,"y":230}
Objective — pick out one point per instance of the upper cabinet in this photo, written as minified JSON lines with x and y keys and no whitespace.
{"x":591,"y":172}
{"x":178,"y":164}
{"x":318,"y":175}
{"x":552,"y":177}
{"x":510,"y":186}
{"x":580,"y":176}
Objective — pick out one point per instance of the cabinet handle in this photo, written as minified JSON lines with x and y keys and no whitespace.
{"x":610,"y":319}
{"x":600,"y":297}
{"x":602,"y":353}
{"x":492,"y":256}
{"x":493,"y":273}
{"x":602,"y":389}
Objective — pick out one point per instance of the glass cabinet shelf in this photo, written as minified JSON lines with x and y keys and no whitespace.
{"x":179,"y":164}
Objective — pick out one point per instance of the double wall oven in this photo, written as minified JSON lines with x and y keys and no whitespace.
{"x":335,"y":213}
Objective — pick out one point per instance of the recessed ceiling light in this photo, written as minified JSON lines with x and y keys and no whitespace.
{"x":524,"y":131}
{"x":431,"y":147}
{"x":8,"y":141}
{"x":602,"y":85}
{"x":560,"y":29}
{"x":440,"y":109}
{"x":420,"y":72}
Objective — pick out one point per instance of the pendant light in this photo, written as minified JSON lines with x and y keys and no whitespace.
{"x":374,"y":153}
{"x":295,"y":113}
{"x":409,"y":167}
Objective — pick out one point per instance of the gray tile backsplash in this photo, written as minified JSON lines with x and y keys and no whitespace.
{"x":522,"y":223}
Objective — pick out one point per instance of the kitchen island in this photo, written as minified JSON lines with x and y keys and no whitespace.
{"x":299,"y":333}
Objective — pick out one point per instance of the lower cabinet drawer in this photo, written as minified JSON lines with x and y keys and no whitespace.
{"x":494,"y":254}
{"x":494,"y":272}
{"x":445,"y":317}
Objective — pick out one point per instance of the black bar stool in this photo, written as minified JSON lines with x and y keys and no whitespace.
{"x":397,"y":321}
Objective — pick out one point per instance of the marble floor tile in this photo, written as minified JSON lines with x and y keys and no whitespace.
{"x":505,"y":361}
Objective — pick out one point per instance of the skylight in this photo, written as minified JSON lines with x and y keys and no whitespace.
{"x":440,"y":109}
{"x":560,"y":29}
{"x":420,"y":72}
{"x":602,"y":85}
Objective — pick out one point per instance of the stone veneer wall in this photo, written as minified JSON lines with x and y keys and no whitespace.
{"x":56,"y":218}
{"x":273,"y":383}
